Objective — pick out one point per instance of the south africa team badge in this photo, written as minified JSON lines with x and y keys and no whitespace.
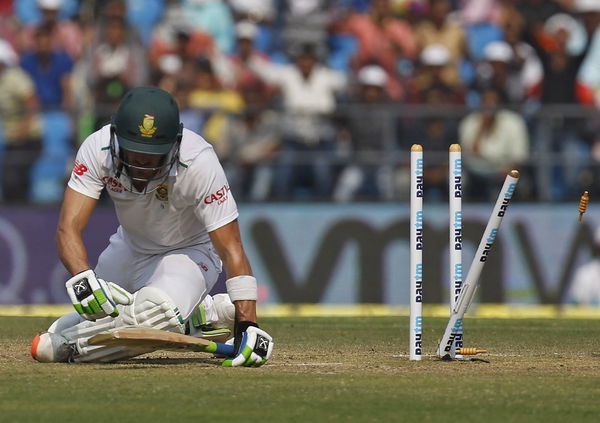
{"x":147,"y":128}
{"x":162,"y":193}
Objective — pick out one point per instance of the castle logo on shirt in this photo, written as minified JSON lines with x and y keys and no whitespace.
{"x":112,"y":184}
{"x":162,"y":193}
{"x":219,"y":196}
{"x":147,"y":128}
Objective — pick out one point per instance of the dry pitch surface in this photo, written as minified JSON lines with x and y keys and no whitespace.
{"x":323,"y":369}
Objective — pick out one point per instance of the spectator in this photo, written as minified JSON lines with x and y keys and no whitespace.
{"x":585,"y":288}
{"x":117,"y":63}
{"x":215,"y":104}
{"x":21,"y":125}
{"x":244,"y":77}
{"x":589,"y":77}
{"x":253,"y":140}
{"x":175,"y":34}
{"x":308,"y":92}
{"x":263,"y":13}
{"x":494,"y":141}
{"x":473,"y":12}
{"x":383,"y":40}
{"x":66,"y":34}
{"x":561,"y":59}
{"x":436,"y":133}
{"x":526,"y":65}
{"x":512,"y":69}
{"x":169,"y":67}
{"x":10,"y":26}
{"x":432,"y":71}
{"x":305,"y":22}
{"x":440,"y":28}
{"x":367,"y":134}
{"x":536,"y":12}
{"x":214,"y":18}
{"x":50,"y":70}
{"x":190,"y":118}
{"x":480,"y":19}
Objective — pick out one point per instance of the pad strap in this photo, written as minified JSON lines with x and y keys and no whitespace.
{"x":242,"y":287}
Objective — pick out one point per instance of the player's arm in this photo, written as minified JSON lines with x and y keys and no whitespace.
{"x":74,"y":216}
{"x":253,"y":346}
{"x":228,"y":243}
{"x":93,"y":298}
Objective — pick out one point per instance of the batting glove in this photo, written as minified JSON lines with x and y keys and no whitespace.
{"x":254,"y":346}
{"x":94,"y":298}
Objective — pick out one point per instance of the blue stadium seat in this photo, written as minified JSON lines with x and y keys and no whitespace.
{"x":49,"y":172}
{"x":265,"y":39}
{"x":342,"y":48}
{"x":144,"y":15}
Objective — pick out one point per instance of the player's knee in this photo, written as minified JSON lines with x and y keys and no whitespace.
{"x":64,"y":322}
{"x":152,"y":307}
{"x":183,"y":279}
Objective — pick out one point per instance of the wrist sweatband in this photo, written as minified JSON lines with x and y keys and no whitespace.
{"x":242,"y":288}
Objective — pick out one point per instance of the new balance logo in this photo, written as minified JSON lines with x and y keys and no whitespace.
{"x":79,"y":168}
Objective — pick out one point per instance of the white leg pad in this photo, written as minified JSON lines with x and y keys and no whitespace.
{"x":86,"y":329}
{"x":151,"y":307}
{"x":105,"y":354}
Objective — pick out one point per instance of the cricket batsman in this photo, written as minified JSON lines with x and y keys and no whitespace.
{"x":178,"y":228}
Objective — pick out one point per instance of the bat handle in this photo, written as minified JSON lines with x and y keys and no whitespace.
{"x":221,"y":349}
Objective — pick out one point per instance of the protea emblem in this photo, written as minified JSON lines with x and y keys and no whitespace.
{"x":147,"y":128}
{"x":162,"y":193}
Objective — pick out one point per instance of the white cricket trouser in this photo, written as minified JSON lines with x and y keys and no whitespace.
{"x":186,"y":275}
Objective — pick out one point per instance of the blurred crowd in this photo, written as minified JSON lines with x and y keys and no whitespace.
{"x":312,"y":100}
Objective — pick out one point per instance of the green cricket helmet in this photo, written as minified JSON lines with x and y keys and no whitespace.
{"x":145,"y":137}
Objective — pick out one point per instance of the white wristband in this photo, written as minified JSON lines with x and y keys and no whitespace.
{"x":242,"y":288}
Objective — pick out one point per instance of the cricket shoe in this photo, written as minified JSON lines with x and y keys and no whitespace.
{"x":49,"y":347}
{"x":213,"y":319}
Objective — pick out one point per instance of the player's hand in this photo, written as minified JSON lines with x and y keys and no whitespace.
{"x":94,"y":298}
{"x":254,"y":346}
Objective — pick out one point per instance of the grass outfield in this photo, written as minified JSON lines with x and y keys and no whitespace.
{"x":323,"y":369}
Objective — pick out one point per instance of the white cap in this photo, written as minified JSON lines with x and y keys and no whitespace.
{"x":170,"y":63}
{"x":50,"y":4}
{"x":246,"y":30}
{"x":560,"y":21}
{"x":8,"y":56}
{"x":498,"y":51}
{"x":372,"y":75}
{"x":435,"y":55}
{"x":583,"y":6}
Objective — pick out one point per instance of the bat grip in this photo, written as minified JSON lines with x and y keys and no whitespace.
{"x":222,"y":349}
